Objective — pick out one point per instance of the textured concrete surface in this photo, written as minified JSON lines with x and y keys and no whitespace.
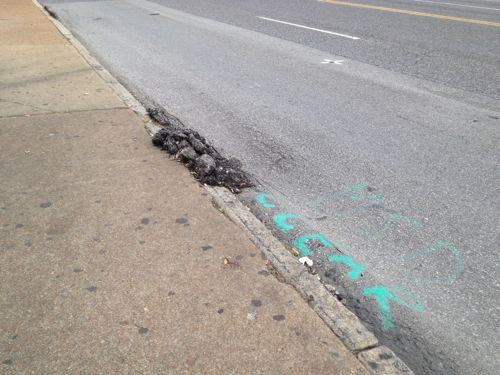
{"x":40,"y":71}
{"x":112,"y":262}
{"x":43,"y":79}
{"x":23,"y":24}
{"x":112,"y":256}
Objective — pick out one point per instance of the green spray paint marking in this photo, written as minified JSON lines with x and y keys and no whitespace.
{"x":262,"y":200}
{"x":437,"y":245}
{"x":356,"y":191}
{"x":389,"y":223}
{"x":376,"y":199}
{"x":301,"y":243}
{"x":356,"y":268}
{"x":385,"y":295}
{"x":280,"y":220}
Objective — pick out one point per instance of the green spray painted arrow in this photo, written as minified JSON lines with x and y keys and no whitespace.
{"x":356,"y":268}
{"x":384,"y":295}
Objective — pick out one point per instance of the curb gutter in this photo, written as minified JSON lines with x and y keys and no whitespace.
{"x":378,"y":360}
{"x":346,"y":325}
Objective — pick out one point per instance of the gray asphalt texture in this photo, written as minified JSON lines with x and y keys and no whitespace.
{"x":412,"y":112}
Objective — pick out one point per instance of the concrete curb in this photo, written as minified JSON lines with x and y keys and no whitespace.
{"x":378,"y":360}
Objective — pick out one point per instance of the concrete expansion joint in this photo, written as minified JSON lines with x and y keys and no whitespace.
{"x":377,"y":359}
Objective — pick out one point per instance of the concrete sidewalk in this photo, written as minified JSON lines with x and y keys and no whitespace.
{"x":111,"y":255}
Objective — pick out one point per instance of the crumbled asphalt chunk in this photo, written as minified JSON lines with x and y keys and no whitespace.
{"x":194,"y":151}
{"x":228,"y":174}
{"x":197,"y":144}
{"x":204,"y":165}
{"x":170,"y":146}
{"x":158,"y":138}
{"x":179,"y":135}
{"x":210,"y":180}
{"x":188,"y":155}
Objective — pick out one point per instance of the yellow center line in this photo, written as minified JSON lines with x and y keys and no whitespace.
{"x":413,"y":13}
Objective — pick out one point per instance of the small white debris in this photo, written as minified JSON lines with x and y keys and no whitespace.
{"x":306,"y":261}
{"x":336,"y":62}
{"x":252,"y":316}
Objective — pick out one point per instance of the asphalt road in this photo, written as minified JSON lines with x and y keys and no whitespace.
{"x":376,"y":124}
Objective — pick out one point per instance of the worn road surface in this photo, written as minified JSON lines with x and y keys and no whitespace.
{"x":113,"y":259}
{"x":376,"y":123}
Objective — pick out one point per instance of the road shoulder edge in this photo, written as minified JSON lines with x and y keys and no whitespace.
{"x":377,"y":359}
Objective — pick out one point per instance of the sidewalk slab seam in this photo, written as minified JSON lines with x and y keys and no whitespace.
{"x":105,"y":75}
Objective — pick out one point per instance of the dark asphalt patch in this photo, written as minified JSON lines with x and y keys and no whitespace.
{"x":192,"y":149}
